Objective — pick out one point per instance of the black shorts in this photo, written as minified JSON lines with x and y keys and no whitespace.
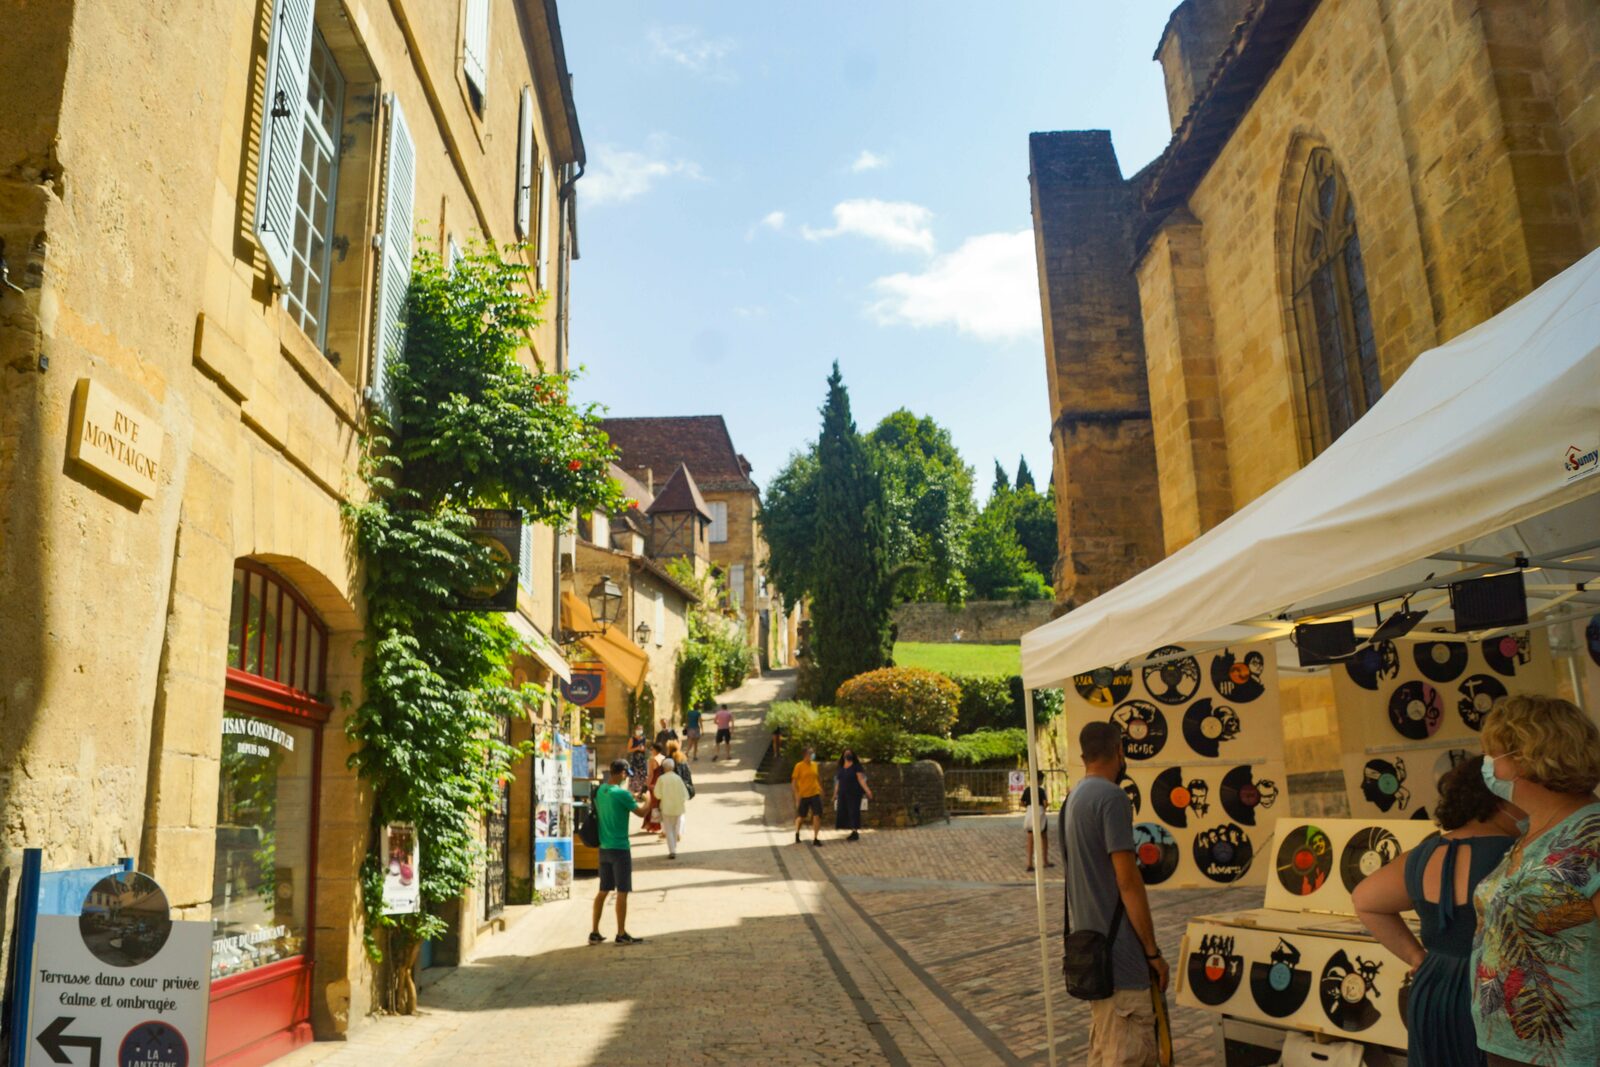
{"x":616,"y":870}
{"x":811,"y":806}
{"x":724,"y":734}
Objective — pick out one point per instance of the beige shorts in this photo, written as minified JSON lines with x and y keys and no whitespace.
{"x":1122,"y":1030}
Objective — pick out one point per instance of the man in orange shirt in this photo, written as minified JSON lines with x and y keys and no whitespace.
{"x":807,"y":797}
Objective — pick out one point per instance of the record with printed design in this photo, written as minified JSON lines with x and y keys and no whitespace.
{"x":1440,"y":661}
{"x":1279,"y":986}
{"x":1172,"y":682}
{"x":1348,"y":989}
{"x":1373,"y":664}
{"x":1239,"y":679}
{"x":1242,"y":794}
{"x":1305,"y":859}
{"x":1478,"y":694}
{"x":1415,"y":710}
{"x":1173,"y":797}
{"x":1368,"y":849}
{"x":1215,"y":970}
{"x":1143,"y":726}
{"x":1131,"y":787}
{"x":1206,"y":726}
{"x":1155,"y":851}
{"x":1447,"y":761}
{"x":1104,"y":687}
{"x":1421,"y":813}
{"x":1591,"y":637}
{"x":1223,"y":854}
{"x":1383,"y":784}
{"x":1505,"y":654}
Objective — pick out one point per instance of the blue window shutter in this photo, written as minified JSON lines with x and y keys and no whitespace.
{"x":394,"y":267}
{"x":278,"y":173}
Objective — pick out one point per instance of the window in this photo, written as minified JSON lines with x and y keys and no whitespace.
{"x":394,"y":267}
{"x":542,"y":246}
{"x":306,"y":293}
{"x":719,"y":520}
{"x":736,"y":587}
{"x":274,"y":636}
{"x":526,"y":151}
{"x":1333,"y":319}
{"x":453,"y":253}
{"x":525,"y":572}
{"x":475,"y":52}
{"x":661,"y":617}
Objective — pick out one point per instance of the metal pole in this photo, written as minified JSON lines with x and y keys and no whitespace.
{"x":1038,"y":873}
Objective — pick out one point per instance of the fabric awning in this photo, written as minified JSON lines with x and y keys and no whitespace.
{"x":539,"y":646}
{"x":1487,"y":447}
{"x":625,"y":659}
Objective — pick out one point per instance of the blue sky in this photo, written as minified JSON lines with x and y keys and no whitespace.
{"x":774,"y":186}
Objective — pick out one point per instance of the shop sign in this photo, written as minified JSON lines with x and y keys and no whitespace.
{"x":586,"y":688}
{"x":500,"y":531}
{"x":402,"y":873}
{"x":1016,"y":782}
{"x":120,"y":982}
{"x":552,"y":817}
{"x":114,"y":439}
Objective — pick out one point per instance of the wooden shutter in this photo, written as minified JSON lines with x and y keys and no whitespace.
{"x":282,"y":116}
{"x":394,"y":266}
{"x":475,"y":56}
{"x":543,"y":246}
{"x":525,"y":574}
{"x":524,"y":162}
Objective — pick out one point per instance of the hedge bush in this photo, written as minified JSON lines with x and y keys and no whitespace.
{"x":976,"y":749}
{"x":990,"y":703}
{"x":831,"y":730}
{"x":916,"y":700}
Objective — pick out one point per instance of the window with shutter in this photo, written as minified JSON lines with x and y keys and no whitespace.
{"x":736,"y":586}
{"x":453,"y":253}
{"x":525,"y":572}
{"x":719,"y":520}
{"x":544,"y":223}
{"x":475,"y":51}
{"x":525,"y":152}
{"x":394,"y":268}
{"x":278,"y":174}
{"x":661,"y":617}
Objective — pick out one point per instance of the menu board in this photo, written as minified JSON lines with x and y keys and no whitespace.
{"x":552,"y":816}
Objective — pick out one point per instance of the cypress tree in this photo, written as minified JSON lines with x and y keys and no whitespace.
{"x":1024,"y":475}
{"x":851,"y":599}
{"x":1002,"y":480}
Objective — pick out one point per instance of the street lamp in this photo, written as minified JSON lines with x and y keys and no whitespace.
{"x":641,"y":633}
{"x":604,"y":600}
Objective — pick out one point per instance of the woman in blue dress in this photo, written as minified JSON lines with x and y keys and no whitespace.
{"x":1437,"y":879}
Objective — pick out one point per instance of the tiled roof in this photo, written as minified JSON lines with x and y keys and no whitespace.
{"x":699,"y":442}
{"x":634,"y":490}
{"x":680,"y":494}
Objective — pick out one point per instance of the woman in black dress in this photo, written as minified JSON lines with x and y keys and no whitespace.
{"x":849,"y":786}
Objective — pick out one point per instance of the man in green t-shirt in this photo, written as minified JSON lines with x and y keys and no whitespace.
{"x":613,"y":803}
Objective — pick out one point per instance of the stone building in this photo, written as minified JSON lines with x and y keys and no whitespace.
{"x":207,"y":216}
{"x":652,"y":449}
{"x":1348,"y":184}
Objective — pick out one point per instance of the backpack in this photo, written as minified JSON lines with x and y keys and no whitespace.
{"x":682,"y":770}
{"x":589,"y":824}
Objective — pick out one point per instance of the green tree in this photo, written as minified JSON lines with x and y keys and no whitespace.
{"x":998,"y":564}
{"x":1035,"y":523}
{"x":1024,"y":476}
{"x":789,"y":524}
{"x":930,"y":509}
{"x":1002,"y":480}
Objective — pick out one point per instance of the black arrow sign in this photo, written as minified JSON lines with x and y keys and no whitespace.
{"x":54,"y":1040}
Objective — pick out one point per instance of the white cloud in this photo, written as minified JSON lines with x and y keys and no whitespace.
{"x":687,"y":47}
{"x":773,"y":220}
{"x":619,"y":174}
{"x":988,"y":288}
{"x":868,"y":160}
{"x":896,"y":224}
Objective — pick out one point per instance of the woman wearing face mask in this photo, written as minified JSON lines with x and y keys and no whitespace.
{"x":1536,"y":958}
{"x":849,"y":787}
{"x":1437,"y":878}
{"x":638,"y":761}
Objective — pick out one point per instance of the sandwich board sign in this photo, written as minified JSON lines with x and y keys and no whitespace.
{"x":111,"y":980}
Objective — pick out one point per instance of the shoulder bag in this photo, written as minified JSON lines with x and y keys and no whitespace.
{"x":1086,"y":954}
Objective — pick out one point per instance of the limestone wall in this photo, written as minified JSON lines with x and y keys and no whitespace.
{"x":980,"y":621}
{"x":903,"y":794}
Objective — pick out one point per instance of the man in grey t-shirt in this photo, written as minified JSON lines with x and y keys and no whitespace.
{"x":1097,"y":841}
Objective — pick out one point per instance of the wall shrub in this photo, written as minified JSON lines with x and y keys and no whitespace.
{"x":991,"y":703}
{"x":982,"y":748}
{"x":916,"y":700}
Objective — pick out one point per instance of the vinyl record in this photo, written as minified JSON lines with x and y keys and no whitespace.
{"x":1279,"y":986}
{"x":1478,"y":694}
{"x":1347,"y":991}
{"x":1415,"y":710}
{"x":1506,"y":654}
{"x":1403,"y":999}
{"x":1143,"y":726}
{"x":1131,"y":787}
{"x":1368,"y":849}
{"x":1239,"y":678}
{"x":1215,"y":970}
{"x":1206,"y":726}
{"x":1173,"y":797}
{"x":1223,"y":854}
{"x":1591,"y":637}
{"x":1447,"y":761}
{"x":1174,"y":681}
{"x":1383,"y":784}
{"x":1241,"y":794}
{"x":1155,"y":851}
{"x":1373,"y":664}
{"x":1421,"y":813}
{"x":1104,"y":687}
{"x":1440,"y":661}
{"x":1305,"y":858}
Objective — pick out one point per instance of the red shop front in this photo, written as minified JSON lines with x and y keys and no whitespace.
{"x":265,"y":874}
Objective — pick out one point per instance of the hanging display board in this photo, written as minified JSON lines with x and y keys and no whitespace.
{"x":1203,"y":736}
{"x":1317,"y":863}
{"x":1410,"y":710}
{"x":552,"y":816}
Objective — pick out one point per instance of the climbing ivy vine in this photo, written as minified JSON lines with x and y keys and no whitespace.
{"x":467,"y":424}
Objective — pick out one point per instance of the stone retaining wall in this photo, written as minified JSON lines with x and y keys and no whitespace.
{"x":903,"y":794}
{"x":981,"y":621}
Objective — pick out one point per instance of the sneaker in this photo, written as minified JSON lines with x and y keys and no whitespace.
{"x":596,"y":937}
{"x":629,"y":939}
{"x":816,"y":843}
{"x":854,"y":836}
{"x":672,"y":855}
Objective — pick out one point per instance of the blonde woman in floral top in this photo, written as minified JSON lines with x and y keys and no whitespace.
{"x":1536,"y":959}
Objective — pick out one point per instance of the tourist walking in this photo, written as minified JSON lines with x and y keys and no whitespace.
{"x":1437,"y":879}
{"x":1536,"y":958}
{"x":675,"y":753}
{"x":807,"y":788}
{"x":672,"y":802}
{"x":613,"y":803}
{"x":724,"y":738}
{"x":638,"y":762}
{"x":658,"y":753}
{"x":1035,"y":808}
{"x":691,"y":733}
{"x":850,"y":789}
{"x":1106,"y":893}
{"x":665,"y":733}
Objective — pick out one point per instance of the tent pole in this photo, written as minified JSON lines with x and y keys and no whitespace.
{"x":1039,"y":845}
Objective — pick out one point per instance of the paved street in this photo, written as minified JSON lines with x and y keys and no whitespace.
{"x":911,"y":947}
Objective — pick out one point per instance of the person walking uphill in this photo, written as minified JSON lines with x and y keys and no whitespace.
{"x":1106,"y":893}
{"x":613,"y":803}
{"x":724,"y":739}
{"x":807,"y":787}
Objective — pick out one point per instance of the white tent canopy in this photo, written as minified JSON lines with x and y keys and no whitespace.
{"x":1484,"y":450}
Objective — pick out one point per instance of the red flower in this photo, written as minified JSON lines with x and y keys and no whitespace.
{"x":574,"y":465}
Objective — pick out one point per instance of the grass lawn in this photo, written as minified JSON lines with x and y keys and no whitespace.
{"x":960,"y":658}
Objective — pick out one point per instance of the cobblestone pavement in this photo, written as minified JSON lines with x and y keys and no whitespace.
{"x":910,"y":947}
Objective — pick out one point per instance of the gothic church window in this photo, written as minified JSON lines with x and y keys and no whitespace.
{"x":1338,"y":353}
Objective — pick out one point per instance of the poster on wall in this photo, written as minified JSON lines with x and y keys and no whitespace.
{"x":402,"y":871}
{"x":553,"y":815}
